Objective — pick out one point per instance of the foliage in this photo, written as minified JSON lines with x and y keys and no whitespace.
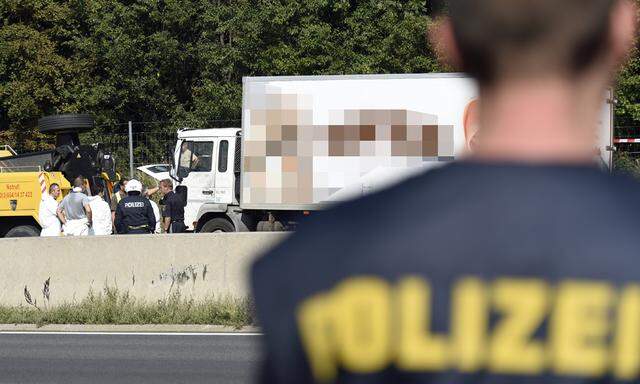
{"x":182,"y":62}
{"x":628,"y":90}
{"x":114,"y":307}
{"x":628,"y":95}
{"x":624,"y":163}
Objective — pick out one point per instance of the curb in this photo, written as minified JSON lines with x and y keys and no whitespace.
{"x":127,"y":328}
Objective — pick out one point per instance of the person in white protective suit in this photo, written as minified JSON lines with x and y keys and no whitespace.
{"x":47,"y":214}
{"x":100,"y":214}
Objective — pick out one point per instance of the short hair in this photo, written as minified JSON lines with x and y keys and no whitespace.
{"x":529,"y":37}
{"x":78,"y":182}
{"x":167,"y":183}
{"x":124,"y":180}
{"x":52,"y":186}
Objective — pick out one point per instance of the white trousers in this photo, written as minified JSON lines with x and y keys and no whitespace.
{"x":78,"y":227}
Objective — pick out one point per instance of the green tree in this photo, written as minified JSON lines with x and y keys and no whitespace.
{"x":182,"y":61}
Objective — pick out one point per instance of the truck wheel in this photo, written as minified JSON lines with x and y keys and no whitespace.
{"x":61,"y":123}
{"x":23,"y":231}
{"x":217,"y":225}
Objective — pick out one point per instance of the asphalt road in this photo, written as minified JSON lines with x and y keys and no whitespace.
{"x":128,"y":358}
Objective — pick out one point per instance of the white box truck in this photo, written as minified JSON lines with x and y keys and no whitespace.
{"x":307,"y":142}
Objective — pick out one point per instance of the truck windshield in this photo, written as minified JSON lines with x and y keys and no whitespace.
{"x":195,"y":156}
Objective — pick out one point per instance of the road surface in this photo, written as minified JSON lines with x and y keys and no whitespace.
{"x":128,"y":358}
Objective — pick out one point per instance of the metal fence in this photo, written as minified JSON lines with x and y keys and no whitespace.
{"x":132,"y":144}
{"x":142,"y":147}
{"x":627,"y":132}
{"x":153,"y":142}
{"x":142,"y":143}
{"x":631,"y":137}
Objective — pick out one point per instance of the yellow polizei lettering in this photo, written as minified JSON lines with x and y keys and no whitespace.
{"x":579,"y":328}
{"x":626,"y":355}
{"x":365,"y":325}
{"x":522,"y":305}
{"x":470,"y":318}
{"x":363,"y":312}
{"x":316,"y":322}
{"x":418,"y":348}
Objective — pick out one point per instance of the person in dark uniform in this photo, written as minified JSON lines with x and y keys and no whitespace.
{"x":173,"y":214}
{"x":518,"y":264}
{"x":134,"y":213}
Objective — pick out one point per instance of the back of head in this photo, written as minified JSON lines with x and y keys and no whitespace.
{"x":133,"y":187}
{"x":78,"y":182}
{"x":500,"y":39}
{"x":167,"y":183}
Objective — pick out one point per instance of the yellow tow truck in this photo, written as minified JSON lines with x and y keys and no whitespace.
{"x":25,"y":178}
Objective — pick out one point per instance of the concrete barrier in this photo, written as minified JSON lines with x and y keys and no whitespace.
{"x":148,"y":267}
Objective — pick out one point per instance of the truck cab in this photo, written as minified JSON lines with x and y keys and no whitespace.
{"x":206,"y":162}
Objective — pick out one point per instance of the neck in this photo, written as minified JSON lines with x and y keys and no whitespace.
{"x":543,"y":121}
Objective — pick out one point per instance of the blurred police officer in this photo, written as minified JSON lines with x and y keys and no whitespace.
{"x":516,"y":265}
{"x":134,"y":213}
{"x":173,"y":208}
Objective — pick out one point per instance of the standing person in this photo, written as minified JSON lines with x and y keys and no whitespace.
{"x":156,"y":210}
{"x":518,"y":264}
{"x":74,"y":210}
{"x":173,"y":210}
{"x":101,"y":214}
{"x":48,"y":213}
{"x":117,"y":196}
{"x":134,"y":214}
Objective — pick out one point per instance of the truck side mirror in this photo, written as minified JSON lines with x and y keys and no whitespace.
{"x":174,"y":172}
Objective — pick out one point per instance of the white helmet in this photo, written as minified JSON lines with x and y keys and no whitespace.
{"x":133,"y":186}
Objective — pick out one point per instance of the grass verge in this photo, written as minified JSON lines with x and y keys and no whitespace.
{"x":113,"y":307}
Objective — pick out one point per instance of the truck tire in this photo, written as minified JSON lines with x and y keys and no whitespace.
{"x":217,"y":225}
{"x":62,"y":123}
{"x":23,"y":231}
